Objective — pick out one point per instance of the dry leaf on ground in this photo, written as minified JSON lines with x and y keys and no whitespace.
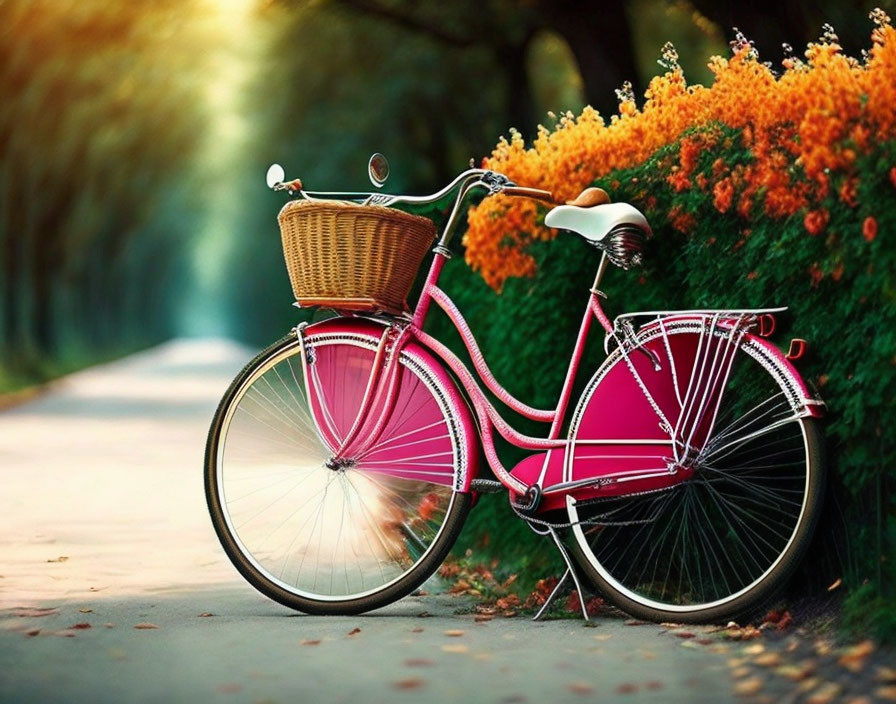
{"x":748,"y":687}
{"x":410,"y":683}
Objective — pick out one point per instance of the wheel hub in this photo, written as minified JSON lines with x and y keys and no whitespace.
{"x":339,"y":464}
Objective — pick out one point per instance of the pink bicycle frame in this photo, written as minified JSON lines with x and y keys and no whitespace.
{"x":649,"y":438}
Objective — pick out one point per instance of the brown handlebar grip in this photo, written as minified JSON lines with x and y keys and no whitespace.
{"x":535,"y":193}
{"x":294,"y":185}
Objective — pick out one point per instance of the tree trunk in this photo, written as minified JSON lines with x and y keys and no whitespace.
{"x":600,"y":37}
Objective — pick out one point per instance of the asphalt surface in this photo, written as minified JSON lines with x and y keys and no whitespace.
{"x":113,"y":587}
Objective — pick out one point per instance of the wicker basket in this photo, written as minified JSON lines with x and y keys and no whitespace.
{"x":352,"y":257}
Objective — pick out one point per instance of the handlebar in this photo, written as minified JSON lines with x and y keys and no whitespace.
{"x":464,"y":183}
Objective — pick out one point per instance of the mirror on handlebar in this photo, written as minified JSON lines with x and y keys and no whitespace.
{"x":275,"y":175}
{"x":378,"y":169}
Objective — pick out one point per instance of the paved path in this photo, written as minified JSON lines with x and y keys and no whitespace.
{"x":109,"y":568}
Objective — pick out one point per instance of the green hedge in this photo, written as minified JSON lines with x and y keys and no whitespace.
{"x":840,"y":288}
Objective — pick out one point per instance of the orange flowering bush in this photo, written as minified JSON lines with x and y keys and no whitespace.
{"x":761,"y":190}
{"x":799,"y":132}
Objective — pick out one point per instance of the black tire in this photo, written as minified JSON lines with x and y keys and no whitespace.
{"x":403,"y":567}
{"x":758,"y":593}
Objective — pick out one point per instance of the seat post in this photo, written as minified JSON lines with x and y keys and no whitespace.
{"x":601,"y":268}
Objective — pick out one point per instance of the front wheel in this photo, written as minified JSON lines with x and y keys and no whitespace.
{"x":324,"y":536}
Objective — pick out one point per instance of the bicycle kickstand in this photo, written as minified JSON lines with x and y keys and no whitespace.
{"x":570,"y":571}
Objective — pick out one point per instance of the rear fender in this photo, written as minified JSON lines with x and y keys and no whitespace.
{"x":804,"y":400}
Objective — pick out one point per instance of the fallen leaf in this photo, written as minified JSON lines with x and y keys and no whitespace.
{"x":454,"y":632}
{"x":670,"y":625}
{"x":61,"y":558}
{"x":65,"y":633}
{"x":311,"y":641}
{"x":410,"y":683}
{"x":768,"y":659}
{"x":827,"y":693}
{"x":859,"y":700}
{"x":86,"y":611}
{"x":482,"y":618}
{"x":740,"y":672}
{"x":145,"y":626}
{"x":754,"y":649}
{"x":80,"y":626}
{"x":32,"y":632}
{"x":455,"y":648}
{"x":795,"y":673}
{"x":354,"y":631}
{"x":885,"y":674}
{"x":627,"y":688}
{"x":206,"y":614}
{"x":25,"y":612}
{"x":603,"y":636}
{"x":581,"y":688}
{"x":109,"y":625}
{"x":635,"y":622}
{"x":836,"y":584}
{"x":808,"y":685}
{"x":748,"y":687}
{"x":684,"y":634}
{"x":785,"y":622}
{"x":417,"y":630}
{"x":424,"y":614}
{"x":823,"y":647}
{"x":853,"y":658}
{"x":418,"y":662}
{"x":886,"y":693}
{"x":654,"y":685}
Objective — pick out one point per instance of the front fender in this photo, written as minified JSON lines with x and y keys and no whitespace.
{"x":444,"y":386}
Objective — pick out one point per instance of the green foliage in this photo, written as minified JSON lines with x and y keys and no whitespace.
{"x":838,"y":285}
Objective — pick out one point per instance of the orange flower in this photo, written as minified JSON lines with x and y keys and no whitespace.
{"x":869,"y":229}
{"x":849,"y":190}
{"x":723,"y":192}
{"x":816,"y":274}
{"x":815,"y":221}
{"x":681,"y":220}
{"x":802,"y":130}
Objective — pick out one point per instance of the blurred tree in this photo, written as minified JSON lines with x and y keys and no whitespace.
{"x":95,"y":138}
{"x":598,"y":35}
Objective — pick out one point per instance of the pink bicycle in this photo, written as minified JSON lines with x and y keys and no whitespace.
{"x":343,"y":460}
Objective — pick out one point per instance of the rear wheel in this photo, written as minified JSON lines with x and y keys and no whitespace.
{"x":333,"y":537}
{"x":723,"y":540}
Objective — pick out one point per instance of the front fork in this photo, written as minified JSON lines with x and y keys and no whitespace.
{"x":379,"y":397}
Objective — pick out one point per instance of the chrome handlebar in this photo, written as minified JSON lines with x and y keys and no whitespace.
{"x":464,"y":183}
